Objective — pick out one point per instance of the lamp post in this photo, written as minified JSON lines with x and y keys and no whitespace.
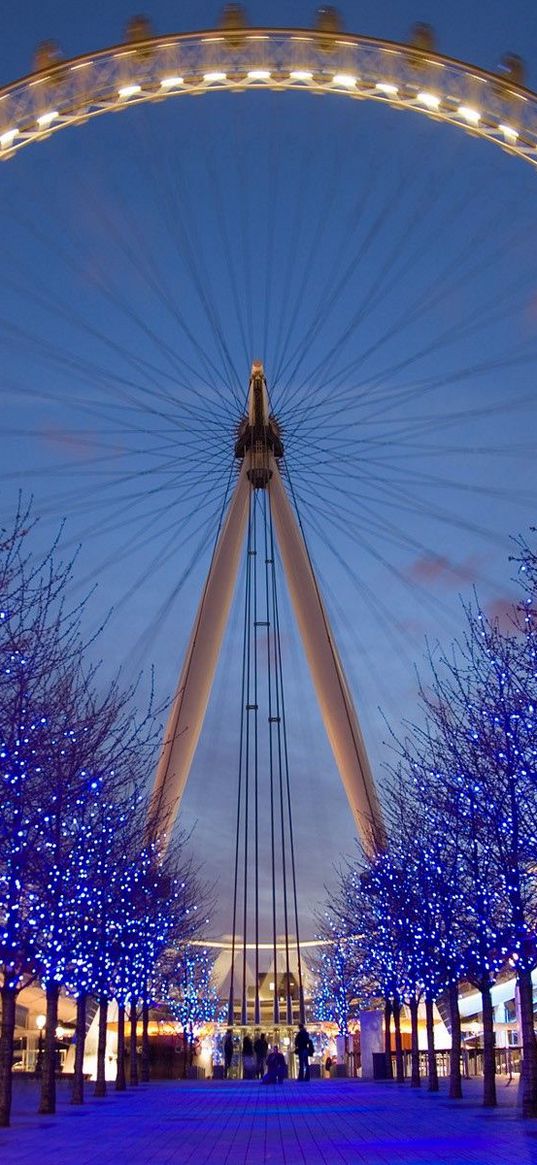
{"x":40,"y":1021}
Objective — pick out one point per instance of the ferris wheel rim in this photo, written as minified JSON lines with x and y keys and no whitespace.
{"x":32,"y":121}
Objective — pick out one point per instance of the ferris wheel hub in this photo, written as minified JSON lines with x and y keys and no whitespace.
{"x":259,"y":433}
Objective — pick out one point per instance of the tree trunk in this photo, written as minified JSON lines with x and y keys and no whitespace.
{"x":489,"y":1058}
{"x":47,"y":1102}
{"x":400,"y":1067}
{"x":529,"y":1045}
{"x":9,"y":1001}
{"x":121,"y":1082}
{"x":100,"y":1082}
{"x":144,"y":1074}
{"x":388,"y":1038}
{"x":431,"y":1052}
{"x":133,"y":1062}
{"x":455,"y":1083}
{"x":77,"y":1096}
{"x":415,"y":1081}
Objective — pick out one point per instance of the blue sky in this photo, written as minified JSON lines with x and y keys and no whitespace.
{"x":249,"y":208}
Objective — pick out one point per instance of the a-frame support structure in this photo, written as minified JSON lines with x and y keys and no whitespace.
{"x":260,"y":448}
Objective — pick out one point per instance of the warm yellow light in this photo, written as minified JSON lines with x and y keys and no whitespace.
{"x":259,"y":75}
{"x":346,"y":80}
{"x":472,"y":116}
{"x":127,"y":91}
{"x":301,"y":75}
{"x":171,"y":82}
{"x":60,"y":1032}
{"x":40,"y":1021}
{"x":510,"y":134}
{"x":7,"y":138}
{"x":428,"y":99}
{"x":47,"y":118}
{"x":385,"y":87}
{"x":209,"y":77}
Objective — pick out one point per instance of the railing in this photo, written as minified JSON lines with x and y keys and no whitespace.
{"x":507,"y":1062}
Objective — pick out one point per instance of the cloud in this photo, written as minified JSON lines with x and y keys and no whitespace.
{"x":437,"y":568}
{"x":78,"y":444}
{"x":500,"y":611}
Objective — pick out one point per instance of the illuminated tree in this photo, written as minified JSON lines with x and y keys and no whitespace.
{"x":39,"y":645}
{"x":483,"y":705}
{"x":334,"y":998}
{"x":189,"y":989}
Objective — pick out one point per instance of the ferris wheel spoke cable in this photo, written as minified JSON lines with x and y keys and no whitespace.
{"x":182,"y":226}
{"x":296,"y":220}
{"x":92,"y":373}
{"x":326,"y":209}
{"x":475,"y":323}
{"x":123,"y":505}
{"x":292,"y":303}
{"x":435,"y":294}
{"x":337,"y":282}
{"x":273,"y":188}
{"x":413,"y":477}
{"x":236,"y":284}
{"x":140,"y":541}
{"x":210,"y":536}
{"x":400,"y":500}
{"x":333,"y":294}
{"x":139,"y":652}
{"x":412,"y":586}
{"x":244,"y":174}
{"x":72,"y":263}
{"x":406,"y":394}
{"x":142,"y":262}
{"x":325,"y":308}
{"x":79,"y":502}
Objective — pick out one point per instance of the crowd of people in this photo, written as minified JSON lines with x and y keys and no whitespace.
{"x":269,"y":1065}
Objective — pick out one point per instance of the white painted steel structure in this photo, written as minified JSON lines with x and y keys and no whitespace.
{"x":260,"y":470}
{"x":70,"y":92}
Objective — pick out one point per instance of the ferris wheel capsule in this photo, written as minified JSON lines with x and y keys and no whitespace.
{"x":138,"y":30}
{"x":329,"y":22}
{"x":513,"y":68}
{"x":512,"y":71}
{"x":423,"y":39}
{"x":48,"y":55}
{"x":233,"y":21}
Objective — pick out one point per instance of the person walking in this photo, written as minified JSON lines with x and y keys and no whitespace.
{"x":261,"y":1052}
{"x":228,"y":1051}
{"x":304,"y":1049}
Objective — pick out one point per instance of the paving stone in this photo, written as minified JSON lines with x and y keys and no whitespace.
{"x":333,"y":1122}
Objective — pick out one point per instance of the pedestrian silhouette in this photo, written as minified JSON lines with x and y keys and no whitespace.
{"x":261,"y":1052}
{"x":228,"y":1051}
{"x":304,"y":1049}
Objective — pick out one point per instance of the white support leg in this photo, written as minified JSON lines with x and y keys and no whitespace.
{"x":195,"y":682}
{"x":333,"y":693}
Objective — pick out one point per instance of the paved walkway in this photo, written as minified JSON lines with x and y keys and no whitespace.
{"x":332,"y":1122}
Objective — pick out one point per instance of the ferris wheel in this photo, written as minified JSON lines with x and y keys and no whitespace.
{"x":252,"y":472}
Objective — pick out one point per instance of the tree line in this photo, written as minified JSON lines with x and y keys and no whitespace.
{"x":452,"y":899}
{"x":93,"y":901}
